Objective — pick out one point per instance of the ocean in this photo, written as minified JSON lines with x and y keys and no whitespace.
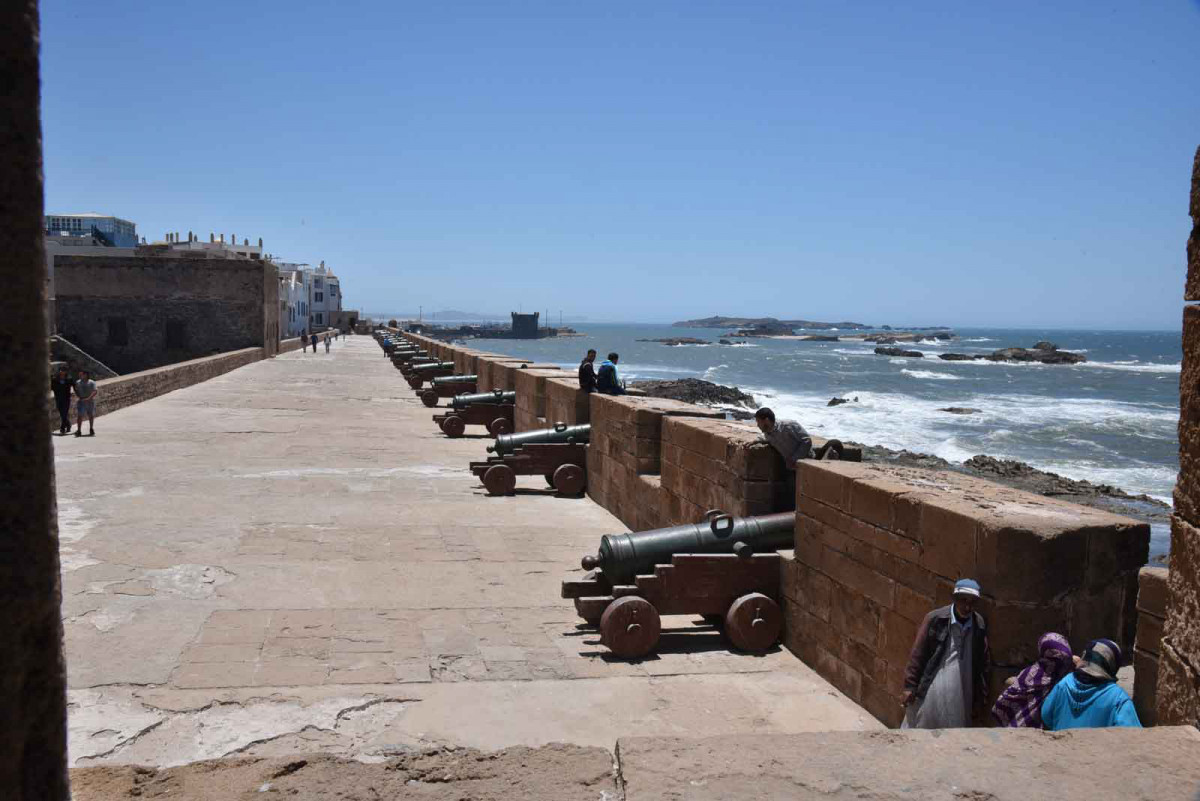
{"x":1111,"y":420}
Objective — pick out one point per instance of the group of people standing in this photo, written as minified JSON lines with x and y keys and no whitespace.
{"x":307,"y":339}
{"x":605,"y":379}
{"x":84,"y":388}
{"x":946,"y":681}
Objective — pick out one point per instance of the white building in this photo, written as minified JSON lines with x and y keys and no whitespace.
{"x":326,"y":297}
{"x":293,"y":303}
{"x":216,"y":247}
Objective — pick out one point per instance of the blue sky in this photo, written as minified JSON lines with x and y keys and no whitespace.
{"x":957,"y":163}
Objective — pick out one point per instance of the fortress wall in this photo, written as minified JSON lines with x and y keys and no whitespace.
{"x":530,"y":385}
{"x":1178,"y":691}
{"x":878,"y":547}
{"x":1151,"y":615}
{"x":565,"y":401}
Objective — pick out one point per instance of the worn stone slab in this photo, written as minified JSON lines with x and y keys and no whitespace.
{"x":949,"y":765}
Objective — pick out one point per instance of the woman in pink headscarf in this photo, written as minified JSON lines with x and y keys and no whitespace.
{"x":1020,"y":705}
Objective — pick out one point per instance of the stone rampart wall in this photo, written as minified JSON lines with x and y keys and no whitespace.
{"x":878,"y":547}
{"x":1151,"y":614}
{"x":1178,"y":693}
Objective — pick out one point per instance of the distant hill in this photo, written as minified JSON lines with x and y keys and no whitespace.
{"x":753,"y":322}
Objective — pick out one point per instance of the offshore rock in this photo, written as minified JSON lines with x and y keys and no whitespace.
{"x":673,"y":341}
{"x":958,"y":357}
{"x":909,"y":354}
{"x":818,"y":338}
{"x":1043,"y":355}
{"x":695,"y":390}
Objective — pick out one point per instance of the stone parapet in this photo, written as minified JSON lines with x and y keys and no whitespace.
{"x":1151,"y":614}
{"x":1178,"y":691}
{"x":626,"y":443}
{"x":530,"y":386}
{"x":565,"y":401}
{"x":877,"y":547}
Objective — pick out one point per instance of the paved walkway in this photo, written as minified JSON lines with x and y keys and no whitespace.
{"x":292,"y":558}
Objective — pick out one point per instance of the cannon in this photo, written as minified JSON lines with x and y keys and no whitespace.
{"x":723,"y":568}
{"x":493,"y":410}
{"x":447,"y":386}
{"x":405,"y":367}
{"x":400,"y":355}
{"x":560,"y":433}
{"x":421,"y":373}
{"x":559,"y":454}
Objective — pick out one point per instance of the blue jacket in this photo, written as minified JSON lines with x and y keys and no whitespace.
{"x":606,"y":379}
{"x":1074,"y":704}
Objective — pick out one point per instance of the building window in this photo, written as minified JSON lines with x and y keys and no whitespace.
{"x":320,"y":298}
{"x":317,"y":283}
{"x":176,"y":335}
{"x":320,"y":319}
{"x":118,"y":331}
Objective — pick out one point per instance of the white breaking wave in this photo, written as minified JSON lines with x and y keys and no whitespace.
{"x":1135,"y":367}
{"x":932,"y":375}
{"x":711,"y":372}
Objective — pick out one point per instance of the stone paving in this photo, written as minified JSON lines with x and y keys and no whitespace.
{"x":291,"y":557}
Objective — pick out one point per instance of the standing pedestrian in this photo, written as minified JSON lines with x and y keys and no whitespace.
{"x":85,"y":389}
{"x":61,"y":385}
{"x":304,"y":339}
{"x":327,"y":342}
{"x":947,"y":675}
{"x":313,"y":341}
{"x":587,"y":373}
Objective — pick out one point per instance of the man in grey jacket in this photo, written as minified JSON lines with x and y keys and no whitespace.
{"x":786,"y":436}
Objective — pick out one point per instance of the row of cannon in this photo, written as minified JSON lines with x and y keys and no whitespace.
{"x":723,"y":568}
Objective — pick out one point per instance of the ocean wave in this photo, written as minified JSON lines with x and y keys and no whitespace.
{"x":977,"y":339}
{"x":933,"y":376}
{"x":1135,"y":367}
{"x":711,"y":372}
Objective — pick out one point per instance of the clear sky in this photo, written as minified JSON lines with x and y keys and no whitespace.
{"x":945,"y":162}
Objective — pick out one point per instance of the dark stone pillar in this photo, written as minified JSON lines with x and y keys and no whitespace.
{"x":33,"y":714}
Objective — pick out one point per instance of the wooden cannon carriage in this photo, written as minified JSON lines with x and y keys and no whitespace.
{"x":559,"y":454}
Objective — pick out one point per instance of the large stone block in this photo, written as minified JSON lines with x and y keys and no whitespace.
{"x":1152,"y":591}
{"x":855,"y":616}
{"x":1187,"y":486}
{"x":1191,"y":290}
{"x":565,"y":401}
{"x":1145,"y":686}
{"x":1178,"y":690}
{"x":1182,"y":628}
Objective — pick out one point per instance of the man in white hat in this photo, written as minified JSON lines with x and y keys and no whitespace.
{"x":947,"y":673}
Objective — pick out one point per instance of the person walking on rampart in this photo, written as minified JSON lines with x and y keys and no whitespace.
{"x":1090,"y":697}
{"x":587,"y":374}
{"x":327,"y":342}
{"x":61,"y":385}
{"x":313,"y":340}
{"x":1020,"y":705}
{"x":85,"y":389}
{"x":304,"y":339}
{"x":606,"y":377}
{"x":947,"y":675}
{"x":786,"y":436}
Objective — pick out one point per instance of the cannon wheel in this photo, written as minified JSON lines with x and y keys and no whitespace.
{"x":570,"y":479}
{"x":453,"y":426}
{"x":415,"y":383}
{"x":500,"y":480}
{"x":499,"y":426}
{"x":550,"y":480}
{"x":429,"y":398}
{"x":630,"y":627}
{"x":753,"y":622}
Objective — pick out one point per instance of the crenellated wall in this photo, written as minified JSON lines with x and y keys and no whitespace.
{"x":876,"y":547}
{"x":1178,"y":694}
{"x":1151,"y":615}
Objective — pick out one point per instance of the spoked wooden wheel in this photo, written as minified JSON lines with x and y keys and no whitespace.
{"x":570,"y":479}
{"x":630,"y":627}
{"x":429,"y":398}
{"x":753,"y":622}
{"x":500,"y":426}
{"x":454,"y":426}
{"x":500,"y":480}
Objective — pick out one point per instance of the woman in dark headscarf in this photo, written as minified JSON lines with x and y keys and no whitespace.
{"x":1090,"y":697}
{"x":1020,"y":705}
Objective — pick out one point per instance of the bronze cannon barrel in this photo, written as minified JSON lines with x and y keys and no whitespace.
{"x":561,"y":433}
{"x":454,"y":379}
{"x":430,"y":367}
{"x":623,"y":556}
{"x":497,"y":396}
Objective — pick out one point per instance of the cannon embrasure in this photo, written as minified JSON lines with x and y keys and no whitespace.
{"x":560,"y":433}
{"x":494,"y":410}
{"x":421,"y":373}
{"x":559,"y":454}
{"x":448,"y":386}
{"x":722,"y":568}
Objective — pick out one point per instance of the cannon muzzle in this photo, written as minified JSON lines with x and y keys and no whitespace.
{"x":560,"y":434}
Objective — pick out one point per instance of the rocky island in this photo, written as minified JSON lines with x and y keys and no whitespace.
{"x":754,"y":323}
{"x":695,"y":390}
{"x":1042,"y":353}
{"x":676,"y":341}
